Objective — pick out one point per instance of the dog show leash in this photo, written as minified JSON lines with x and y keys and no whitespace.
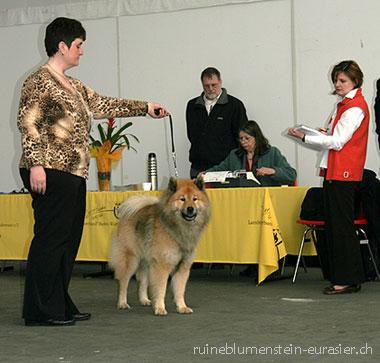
{"x":174,"y":157}
{"x":157,"y":112}
{"x":173,"y":148}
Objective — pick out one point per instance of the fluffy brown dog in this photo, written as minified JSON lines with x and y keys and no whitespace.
{"x":157,"y":237}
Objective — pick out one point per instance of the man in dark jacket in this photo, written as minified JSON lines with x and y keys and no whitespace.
{"x":213,"y":121}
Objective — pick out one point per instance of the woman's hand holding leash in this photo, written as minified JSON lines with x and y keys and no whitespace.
{"x":155,"y":110}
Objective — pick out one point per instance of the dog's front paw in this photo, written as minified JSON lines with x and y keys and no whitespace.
{"x":145,"y":302}
{"x":184,"y":310}
{"x":160,"y":311}
{"x":123,"y":306}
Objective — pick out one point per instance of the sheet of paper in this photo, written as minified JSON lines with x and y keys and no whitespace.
{"x":250,"y":176}
{"x":215,"y":176}
{"x":238,"y":173}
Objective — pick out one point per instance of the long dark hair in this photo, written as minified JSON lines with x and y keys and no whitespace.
{"x":253,"y":129}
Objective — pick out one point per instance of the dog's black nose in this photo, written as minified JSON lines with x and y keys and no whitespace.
{"x":189,"y":213}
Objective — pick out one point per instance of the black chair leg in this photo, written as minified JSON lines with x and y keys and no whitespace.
{"x":365,"y":241}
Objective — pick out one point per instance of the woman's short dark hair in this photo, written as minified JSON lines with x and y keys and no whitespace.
{"x":351,"y":69}
{"x":62,"y":29}
{"x":252,"y":128}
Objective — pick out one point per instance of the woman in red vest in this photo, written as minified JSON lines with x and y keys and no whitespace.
{"x":344,"y":144}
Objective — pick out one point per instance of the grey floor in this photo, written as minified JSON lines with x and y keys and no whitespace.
{"x":233,"y":320}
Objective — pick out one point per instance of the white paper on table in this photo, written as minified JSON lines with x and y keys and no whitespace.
{"x":215,"y":176}
{"x":250,"y":176}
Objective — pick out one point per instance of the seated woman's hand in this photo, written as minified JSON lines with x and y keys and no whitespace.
{"x":265,"y":171}
{"x":201,"y":174}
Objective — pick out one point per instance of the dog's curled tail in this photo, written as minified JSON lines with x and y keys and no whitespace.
{"x":134,"y":204}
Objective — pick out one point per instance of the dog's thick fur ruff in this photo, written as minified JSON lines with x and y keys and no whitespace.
{"x":157,"y":237}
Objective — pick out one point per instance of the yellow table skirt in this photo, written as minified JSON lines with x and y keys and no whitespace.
{"x":248,"y":225}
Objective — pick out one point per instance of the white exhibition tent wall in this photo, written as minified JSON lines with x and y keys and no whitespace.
{"x":275,"y":55}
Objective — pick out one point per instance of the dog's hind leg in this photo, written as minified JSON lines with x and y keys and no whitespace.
{"x":142,"y":279}
{"x":179,"y":281}
{"x":158,"y":276}
{"x":123,"y":273}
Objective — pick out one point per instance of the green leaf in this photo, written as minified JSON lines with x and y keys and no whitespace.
{"x":118,"y":133}
{"x":96,"y":143}
{"x":126,"y":141}
{"x":114,"y":147}
{"x":135,"y":137}
{"x":109,"y":132}
{"x":101,"y":132}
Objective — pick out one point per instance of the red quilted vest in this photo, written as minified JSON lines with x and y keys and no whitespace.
{"x":347,"y":164}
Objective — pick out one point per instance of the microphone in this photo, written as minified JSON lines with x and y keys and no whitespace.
{"x":152,"y":170}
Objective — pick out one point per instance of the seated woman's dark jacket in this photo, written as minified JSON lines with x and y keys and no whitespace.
{"x":272,"y":158}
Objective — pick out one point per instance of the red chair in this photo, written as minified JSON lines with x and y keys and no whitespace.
{"x":312,"y":226}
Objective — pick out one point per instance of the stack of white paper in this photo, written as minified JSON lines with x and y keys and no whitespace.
{"x":215,"y":176}
{"x":220,"y":176}
{"x":308,"y":130}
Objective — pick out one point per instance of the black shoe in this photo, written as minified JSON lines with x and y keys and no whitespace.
{"x":49,"y":322}
{"x":81,"y":316}
{"x":330,"y":290}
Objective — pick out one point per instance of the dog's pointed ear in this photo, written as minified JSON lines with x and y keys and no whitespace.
{"x":200,"y":183}
{"x":172,"y":186}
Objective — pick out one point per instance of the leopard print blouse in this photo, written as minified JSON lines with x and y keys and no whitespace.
{"x":55,"y":122}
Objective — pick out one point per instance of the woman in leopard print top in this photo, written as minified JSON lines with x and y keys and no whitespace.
{"x":54,"y":119}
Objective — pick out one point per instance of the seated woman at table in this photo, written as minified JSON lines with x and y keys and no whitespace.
{"x":255,"y":154}
{"x":266,"y":162}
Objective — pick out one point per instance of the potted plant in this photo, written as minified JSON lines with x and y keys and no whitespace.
{"x":109,"y":148}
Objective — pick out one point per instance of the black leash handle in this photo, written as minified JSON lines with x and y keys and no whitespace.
{"x":171,"y":132}
{"x":173,"y":148}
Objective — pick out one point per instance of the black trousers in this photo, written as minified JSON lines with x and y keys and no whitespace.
{"x":58,"y":225}
{"x":343,"y":246}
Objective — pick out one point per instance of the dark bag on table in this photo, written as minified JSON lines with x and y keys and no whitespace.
{"x":312,"y":205}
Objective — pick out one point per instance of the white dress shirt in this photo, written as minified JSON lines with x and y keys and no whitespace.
{"x":348,"y":123}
